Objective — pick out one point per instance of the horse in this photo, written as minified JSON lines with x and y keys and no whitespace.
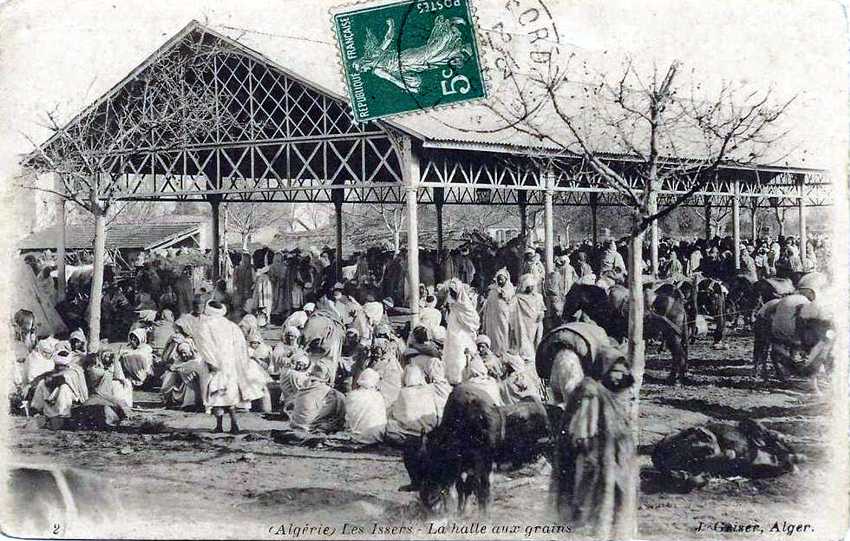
{"x":665,"y":318}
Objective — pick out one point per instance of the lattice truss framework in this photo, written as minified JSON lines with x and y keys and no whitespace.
{"x":244,"y":129}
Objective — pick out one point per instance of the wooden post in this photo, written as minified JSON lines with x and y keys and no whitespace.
{"x":736,"y":223}
{"x":338,"y":195}
{"x":410,"y":174}
{"x":522,"y":200}
{"x":801,"y":209}
{"x":215,"y":203}
{"x":594,"y":224}
{"x":96,"y":296}
{"x":549,"y":226}
{"x":707,"y":207}
{"x":60,"y":241}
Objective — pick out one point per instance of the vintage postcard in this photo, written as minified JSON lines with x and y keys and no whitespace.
{"x":424,"y":269}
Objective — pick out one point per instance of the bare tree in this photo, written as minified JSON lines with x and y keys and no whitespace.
{"x":247,"y":219}
{"x":717,"y":219}
{"x":169,"y":99}
{"x":779,"y":215}
{"x":755,"y":206}
{"x":635,"y":129}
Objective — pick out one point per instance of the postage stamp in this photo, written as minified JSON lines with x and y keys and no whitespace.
{"x":409,"y":56}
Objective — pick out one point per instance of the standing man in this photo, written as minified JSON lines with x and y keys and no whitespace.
{"x":465,"y":269}
{"x":558,"y":283}
{"x":497,"y":312}
{"x":243,"y":282}
{"x":526,"y":324}
{"x":222,"y":345}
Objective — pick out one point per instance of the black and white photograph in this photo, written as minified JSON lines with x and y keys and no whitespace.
{"x":424,"y":269}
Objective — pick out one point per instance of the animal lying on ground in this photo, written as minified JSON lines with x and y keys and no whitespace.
{"x":748,"y":449}
{"x":474,"y":436}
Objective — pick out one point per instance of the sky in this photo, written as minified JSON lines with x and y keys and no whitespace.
{"x":60,"y":55}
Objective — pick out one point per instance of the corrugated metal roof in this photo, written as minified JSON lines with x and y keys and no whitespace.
{"x":118,"y":236}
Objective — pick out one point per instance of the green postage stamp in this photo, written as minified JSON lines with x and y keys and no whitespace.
{"x":408,"y":56}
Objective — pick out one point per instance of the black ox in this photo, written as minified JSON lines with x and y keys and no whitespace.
{"x":474,"y":436}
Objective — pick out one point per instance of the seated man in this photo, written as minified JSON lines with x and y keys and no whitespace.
{"x":318,"y":407}
{"x":428,"y":314}
{"x":421,"y":349}
{"x":79,"y":343}
{"x":249,"y":323}
{"x":354,"y":354}
{"x":110,"y":393}
{"x":285,"y":350}
{"x":259,"y":350}
{"x":161,"y":331}
{"x":383,"y":358}
{"x":435,"y":376}
{"x":60,"y":389}
{"x":293,"y":378}
{"x":365,"y":410}
{"x":414,"y":411}
{"x":299,"y":318}
{"x":260,"y":356}
{"x":137,"y":360}
{"x":185,"y":381}
{"x":476,"y":375}
{"x":491,"y":360}
{"x":39,"y":361}
{"x":521,"y":380}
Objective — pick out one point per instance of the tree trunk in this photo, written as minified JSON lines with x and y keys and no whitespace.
{"x":97,"y":280}
{"x":397,"y":240}
{"x":636,"y":351}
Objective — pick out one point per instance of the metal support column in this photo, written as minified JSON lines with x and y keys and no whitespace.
{"x":438,"y":204}
{"x":522,"y":200}
{"x":754,"y":227}
{"x":594,"y":224}
{"x":215,"y":204}
{"x":549,"y":226}
{"x":338,"y":195}
{"x":736,"y":223}
{"x":707,"y":207}
{"x":410,"y":174}
{"x":801,"y":209}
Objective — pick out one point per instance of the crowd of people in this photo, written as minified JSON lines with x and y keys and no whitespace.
{"x":333,"y":352}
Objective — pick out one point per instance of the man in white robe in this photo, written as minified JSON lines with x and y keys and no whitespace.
{"x":527,"y":318}
{"x":497,"y":311}
{"x":222,"y":345}
{"x":462,"y":328}
{"x":365,"y":409}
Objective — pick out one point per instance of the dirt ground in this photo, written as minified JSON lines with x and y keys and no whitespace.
{"x":170,"y":475}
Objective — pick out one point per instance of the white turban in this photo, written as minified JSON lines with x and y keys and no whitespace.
{"x":368,"y":379}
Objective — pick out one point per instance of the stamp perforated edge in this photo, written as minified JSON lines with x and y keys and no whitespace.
{"x":478,"y":37}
